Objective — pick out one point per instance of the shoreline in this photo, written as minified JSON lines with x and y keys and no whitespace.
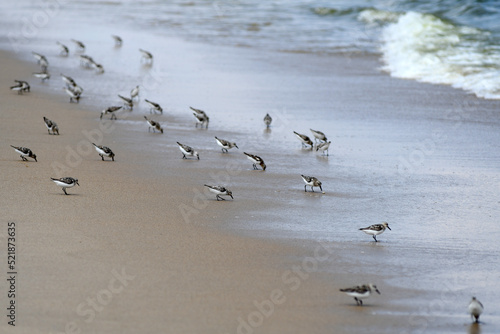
{"x":212,"y":264}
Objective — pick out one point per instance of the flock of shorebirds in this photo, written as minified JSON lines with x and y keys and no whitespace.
{"x":74,"y":92}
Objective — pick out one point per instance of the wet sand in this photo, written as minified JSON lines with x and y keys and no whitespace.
{"x":192,"y":264}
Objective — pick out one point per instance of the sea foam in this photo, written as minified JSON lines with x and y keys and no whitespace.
{"x":429,"y":49}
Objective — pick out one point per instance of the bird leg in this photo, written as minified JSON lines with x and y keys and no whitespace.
{"x":375,"y":237}
{"x":102,"y":157}
{"x":312,"y":189}
{"x":184,"y":156}
{"x":305,"y":188}
{"x":64,"y":189}
{"x":24,"y":159}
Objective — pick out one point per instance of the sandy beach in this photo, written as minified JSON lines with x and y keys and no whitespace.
{"x":140,"y":246}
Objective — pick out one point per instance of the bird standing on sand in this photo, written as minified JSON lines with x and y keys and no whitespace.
{"x":201,"y":117}
{"x":304,"y":139}
{"x":21,"y":87}
{"x":323,"y":147}
{"x":360,"y":292}
{"x":187,"y":151}
{"x":375,"y":229}
{"x":41,"y":60}
{"x":256,"y":160}
{"x":128,"y":102}
{"x":24,"y":152}
{"x":73,"y":95}
{"x":475,"y":309}
{"x":146,"y":56}
{"x":226,"y":145}
{"x":268,"y":120}
{"x":110,"y":110}
{"x":42,"y":76}
{"x":118,"y":40}
{"x":51,"y":126}
{"x":104,"y":151}
{"x":220,"y":191}
{"x":154,"y":125}
{"x":318,"y":135}
{"x":134,"y":92}
{"x":80,"y":47}
{"x":311,"y":181}
{"x":155,"y":107}
{"x":65,"y":182}
{"x":64,"y":49}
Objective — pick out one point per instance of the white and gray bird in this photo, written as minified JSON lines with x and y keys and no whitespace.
{"x":64,"y":49}
{"x":201,"y":117}
{"x":104,"y":151}
{"x":256,"y":160}
{"x":360,"y":292}
{"x":110,"y":110}
{"x":220,"y":191}
{"x":318,"y":135}
{"x":268,"y":120}
{"x":323,"y":147}
{"x":475,"y":309}
{"x":24,"y":152}
{"x":375,"y":229}
{"x":65,"y":182}
{"x":155,"y":107}
{"x":187,"y":151}
{"x":226,"y":145}
{"x":51,"y":126}
{"x":304,"y":139}
{"x":311,"y":181}
{"x":21,"y":87}
{"x":118,"y":40}
{"x":153,"y":125}
{"x":147,"y":56}
{"x":80,"y":47}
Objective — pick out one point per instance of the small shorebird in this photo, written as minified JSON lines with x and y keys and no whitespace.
{"x":98,"y":68}
{"x":128,"y":102}
{"x":146,"y":56}
{"x":24,"y":152}
{"x":256,"y":160}
{"x":311,"y":181}
{"x":65,"y":182}
{"x":68,"y":80}
{"x":375,"y":229}
{"x":104,"y":151}
{"x":475,"y":309}
{"x":226,"y":145}
{"x":86,"y":61}
{"x":267,"y":120}
{"x":154,"y":125}
{"x":42,"y":76}
{"x":201,"y":117}
{"x":304,"y":139}
{"x":360,"y":292}
{"x":187,"y":150}
{"x":21,"y":87}
{"x":110,"y":110}
{"x":51,"y":126}
{"x":323,"y":147}
{"x":155,"y":107}
{"x":220,"y":191}
{"x":64,"y":49}
{"x":80,"y":47}
{"x":73,"y":95}
{"x":41,"y":60}
{"x":118,"y":40}
{"x":134,"y":92}
{"x":318,"y":135}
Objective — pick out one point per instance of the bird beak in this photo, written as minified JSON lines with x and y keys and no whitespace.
{"x":231,"y":196}
{"x":77,"y":183}
{"x":389,"y":227}
{"x":236,"y":146}
{"x":377,"y":291}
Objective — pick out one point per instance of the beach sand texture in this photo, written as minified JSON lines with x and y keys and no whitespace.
{"x":140,"y":247}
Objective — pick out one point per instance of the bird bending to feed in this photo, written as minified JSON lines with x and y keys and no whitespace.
{"x":154,"y":125}
{"x":104,"y":151}
{"x":475,"y":309}
{"x":268,"y":120}
{"x":42,"y":61}
{"x":21,"y":86}
{"x":375,"y":229}
{"x":73,"y":94}
{"x":187,"y":150}
{"x":24,"y":152}
{"x":318,"y":135}
{"x":256,"y":160}
{"x":127,"y":102}
{"x":311,"y":181}
{"x":323,"y":147}
{"x":110,"y":110}
{"x":155,"y":107}
{"x":360,"y":292}
{"x":42,"y":76}
{"x":226,"y":145}
{"x":220,"y":191}
{"x":51,"y":126}
{"x":64,"y":49}
{"x":304,"y":139}
{"x":118,"y":40}
{"x":79,"y":45}
{"x":65,"y":182}
{"x":201,"y":117}
{"x":146,"y":56}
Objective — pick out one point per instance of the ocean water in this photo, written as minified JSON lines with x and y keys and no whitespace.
{"x":444,"y":42}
